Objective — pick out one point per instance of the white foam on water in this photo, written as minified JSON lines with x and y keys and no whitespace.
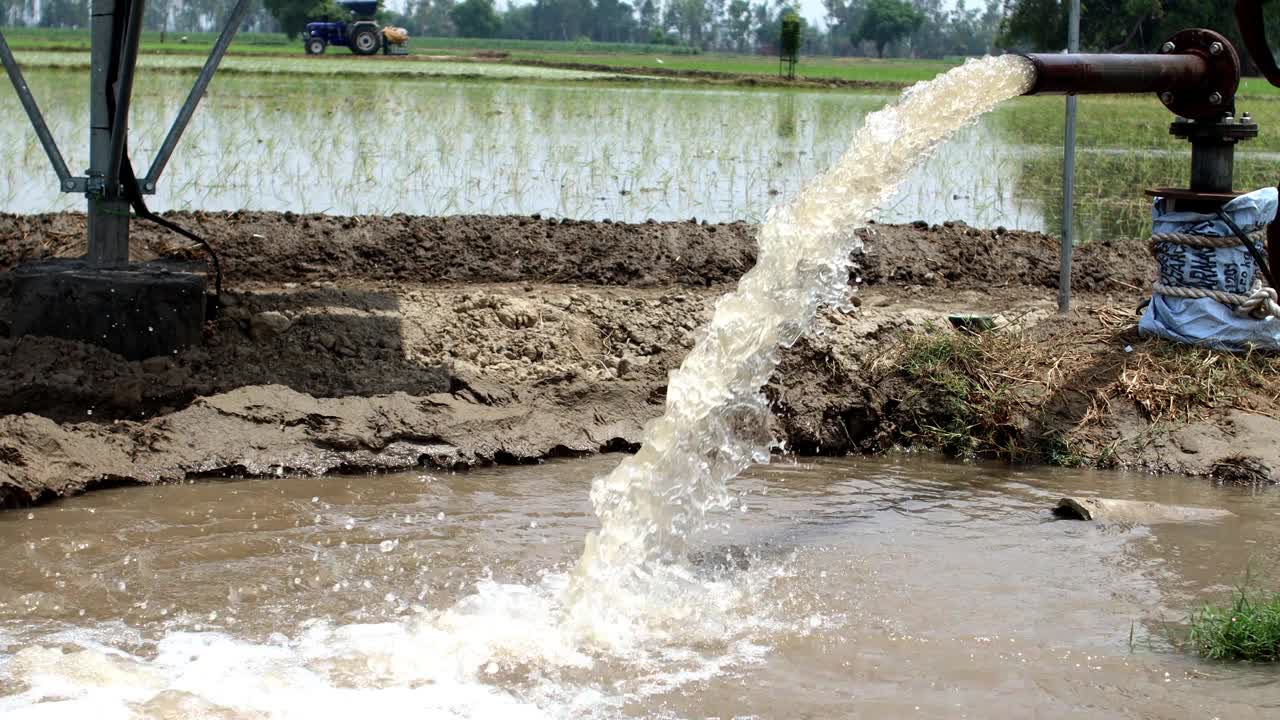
{"x":503,"y":651}
{"x":634,"y":610}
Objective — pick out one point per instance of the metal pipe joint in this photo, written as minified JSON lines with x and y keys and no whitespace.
{"x":1195,"y":74}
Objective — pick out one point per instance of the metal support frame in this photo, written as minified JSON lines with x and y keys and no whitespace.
{"x":124,"y":90}
{"x":193,"y":99}
{"x":111,"y":73}
{"x":114,"y":44}
{"x":65,"y":180}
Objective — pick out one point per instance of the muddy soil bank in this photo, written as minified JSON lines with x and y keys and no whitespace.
{"x":373,"y":343}
{"x":716,"y":78}
{"x":270,"y":247}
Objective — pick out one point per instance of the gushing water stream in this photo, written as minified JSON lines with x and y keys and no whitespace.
{"x":633,"y":600}
{"x":715,"y":416}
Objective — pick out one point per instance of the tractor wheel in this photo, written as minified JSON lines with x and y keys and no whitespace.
{"x":315,"y":46}
{"x":364,"y":41}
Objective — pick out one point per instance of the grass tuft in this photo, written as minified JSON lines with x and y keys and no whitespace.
{"x":1247,"y":629}
{"x":1055,"y":448}
{"x":1170,"y":381}
{"x":960,"y":408}
{"x":1061,"y":392}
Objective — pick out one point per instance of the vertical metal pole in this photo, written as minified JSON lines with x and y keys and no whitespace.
{"x":1069,"y":175}
{"x":127,"y":64}
{"x":108,"y":212}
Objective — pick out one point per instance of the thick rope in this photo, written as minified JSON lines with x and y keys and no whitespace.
{"x":1209,"y":241}
{"x":1261,"y":303}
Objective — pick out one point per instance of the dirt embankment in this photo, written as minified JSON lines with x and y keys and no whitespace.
{"x":390,"y":342}
{"x":718,"y":78}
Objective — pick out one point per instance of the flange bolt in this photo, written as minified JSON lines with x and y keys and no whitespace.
{"x":1166,"y":97}
{"x":1215,"y":98}
{"x":1168,"y":47}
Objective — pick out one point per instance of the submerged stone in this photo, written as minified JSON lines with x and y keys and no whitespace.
{"x":1133,"y":511}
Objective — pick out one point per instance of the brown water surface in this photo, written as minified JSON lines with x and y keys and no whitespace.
{"x":837,"y":588}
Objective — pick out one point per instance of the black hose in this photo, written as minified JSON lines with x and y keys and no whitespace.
{"x":1263,"y":266}
{"x":132,"y":191}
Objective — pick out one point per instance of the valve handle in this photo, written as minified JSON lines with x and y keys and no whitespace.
{"x":1253,"y":31}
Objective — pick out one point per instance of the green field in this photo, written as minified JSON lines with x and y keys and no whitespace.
{"x":26,"y":38}
{"x":276,"y":43}
{"x":623,"y":57}
{"x":318,"y":67}
{"x":1118,"y":121}
{"x":888,"y":72}
{"x":1124,"y":149}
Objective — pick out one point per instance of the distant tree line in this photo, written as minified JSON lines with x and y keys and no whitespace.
{"x":903,"y":28}
{"x":161,"y":15}
{"x":1117,"y":25}
{"x":853,"y":27}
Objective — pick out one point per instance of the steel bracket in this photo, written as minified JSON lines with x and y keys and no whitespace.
{"x":65,"y":181}
{"x":148,"y":184}
{"x":96,"y":186}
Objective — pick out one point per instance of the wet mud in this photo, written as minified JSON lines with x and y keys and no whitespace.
{"x":381,"y":343}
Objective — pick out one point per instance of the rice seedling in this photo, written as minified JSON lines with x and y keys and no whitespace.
{"x":424,"y":145}
{"x":337,"y":66}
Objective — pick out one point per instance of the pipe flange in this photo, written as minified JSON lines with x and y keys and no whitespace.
{"x":1222,"y":132}
{"x":1215,"y":97}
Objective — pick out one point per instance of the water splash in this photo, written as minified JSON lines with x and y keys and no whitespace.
{"x":517,"y":650}
{"x":716,"y":413}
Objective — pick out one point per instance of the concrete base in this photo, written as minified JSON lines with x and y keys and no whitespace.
{"x":138,"y":311}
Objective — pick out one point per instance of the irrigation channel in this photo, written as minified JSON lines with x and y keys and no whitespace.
{"x":831,"y":589}
{"x":835,"y":588}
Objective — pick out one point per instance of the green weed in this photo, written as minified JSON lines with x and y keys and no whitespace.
{"x":1055,"y":448}
{"x":958,"y":407}
{"x":1246,"y":629}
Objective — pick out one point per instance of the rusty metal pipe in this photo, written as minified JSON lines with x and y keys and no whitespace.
{"x":1195,"y":74}
{"x":1084,"y":74}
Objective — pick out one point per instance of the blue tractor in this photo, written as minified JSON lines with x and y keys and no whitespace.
{"x":362,"y":34}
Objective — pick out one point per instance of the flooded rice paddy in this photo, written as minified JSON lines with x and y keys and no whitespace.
{"x":318,"y":135}
{"x":584,"y":151}
{"x":339,"y":63}
{"x":350,"y":142}
{"x":833,"y":588}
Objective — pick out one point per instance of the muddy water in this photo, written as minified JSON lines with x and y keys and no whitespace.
{"x":873,"y":589}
